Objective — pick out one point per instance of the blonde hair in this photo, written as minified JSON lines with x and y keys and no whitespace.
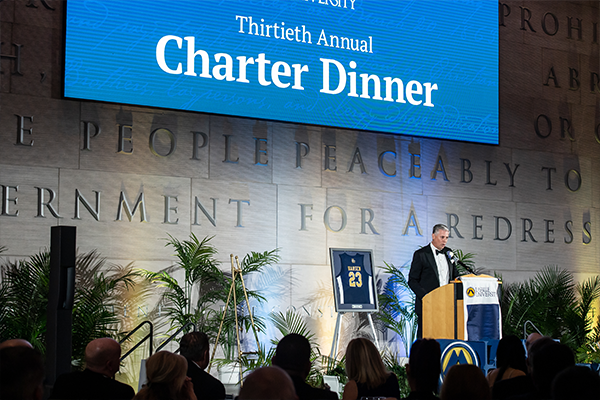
{"x":364,"y":364}
{"x":166,"y":374}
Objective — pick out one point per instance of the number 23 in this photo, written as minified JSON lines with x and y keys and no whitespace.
{"x":354,"y":279}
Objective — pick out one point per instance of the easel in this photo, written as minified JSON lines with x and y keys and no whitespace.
{"x":236,"y":271}
{"x":336,"y":334}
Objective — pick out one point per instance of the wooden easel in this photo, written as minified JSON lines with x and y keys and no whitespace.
{"x":236,"y":272}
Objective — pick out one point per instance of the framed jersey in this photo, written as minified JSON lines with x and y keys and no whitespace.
{"x":353,"y":283}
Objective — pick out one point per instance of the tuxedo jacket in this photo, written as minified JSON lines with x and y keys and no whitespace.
{"x":91,"y":385}
{"x":206,"y":387}
{"x":423,"y":276}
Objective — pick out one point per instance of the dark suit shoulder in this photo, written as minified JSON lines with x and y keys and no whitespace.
{"x":206,"y":386}
{"x":307,"y":392}
{"x":90,"y":385}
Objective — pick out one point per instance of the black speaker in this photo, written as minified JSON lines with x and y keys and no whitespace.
{"x":60,"y":302}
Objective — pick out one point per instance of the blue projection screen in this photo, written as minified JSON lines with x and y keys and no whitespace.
{"x":421,"y":68}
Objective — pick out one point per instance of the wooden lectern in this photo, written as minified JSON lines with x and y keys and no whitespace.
{"x":443,"y":311}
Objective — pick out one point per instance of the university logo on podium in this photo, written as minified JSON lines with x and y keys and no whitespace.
{"x":457,"y":353}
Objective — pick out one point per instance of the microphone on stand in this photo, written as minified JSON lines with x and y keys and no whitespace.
{"x":454,"y":259}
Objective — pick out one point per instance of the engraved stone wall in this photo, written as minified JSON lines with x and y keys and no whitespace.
{"x":257,"y":185}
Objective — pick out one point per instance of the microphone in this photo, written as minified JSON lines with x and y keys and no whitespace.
{"x":454,"y":259}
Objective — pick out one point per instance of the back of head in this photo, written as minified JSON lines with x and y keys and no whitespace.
{"x":364,"y":364}
{"x":576,"y":383}
{"x":194,"y":345}
{"x":166,"y":368}
{"x":15,"y":343}
{"x":424,"y":365}
{"x":293,"y":354}
{"x":532,"y":338}
{"x":465,"y":382}
{"x":547,"y":363}
{"x":511,"y":353}
{"x":102,"y":356}
{"x":21,"y":373}
{"x":534,"y":348}
{"x":268,"y":383}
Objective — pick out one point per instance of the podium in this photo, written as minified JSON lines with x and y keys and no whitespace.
{"x":443,"y":311}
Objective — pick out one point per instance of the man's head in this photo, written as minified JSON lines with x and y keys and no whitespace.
{"x":21,"y":373}
{"x":423,"y":366}
{"x":103,"y":356}
{"x":439,"y":237}
{"x":293,"y":355}
{"x":576,"y":382}
{"x":531,"y":339}
{"x":268,"y":383}
{"x":15,"y":343}
{"x":194,"y":346}
{"x":548,"y":362}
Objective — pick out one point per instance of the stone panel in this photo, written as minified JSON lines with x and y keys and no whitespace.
{"x":463,"y":170}
{"x":521,"y":70}
{"x":551,"y":248}
{"x":544,"y":186}
{"x":403,"y":226}
{"x":353,"y":160}
{"x":590,"y":78}
{"x":557,"y":37}
{"x":484,"y":228}
{"x":241,"y":227}
{"x":37,"y":61}
{"x":587,"y":135}
{"x":137,"y":156}
{"x":39,"y":13}
{"x":557,"y":76}
{"x":275,"y":285}
{"x":596,"y":184}
{"x":133,"y":238}
{"x":289,"y":150}
{"x":240,"y":164}
{"x":312,"y":292}
{"x":7,"y":11}
{"x":53,"y":131}
{"x":307,"y":245}
{"x":409,"y":154}
{"x":28,"y":232}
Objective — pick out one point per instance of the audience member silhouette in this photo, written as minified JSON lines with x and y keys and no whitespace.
{"x":510,"y":360}
{"x":195,"y":348}
{"x":15,"y":343}
{"x":21,"y":373}
{"x":102,"y":360}
{"x":465,"y":382}
{"x":293,"y":356}
{"x":576,"y":383}
{"x":532,"y":337}
{"x":521,"y":385}
{"x":268,"y":383}
{"x":423,"y":369}
{"x":166,"y":378}
{"x":367,"y":376}
{"x":547,"y":362}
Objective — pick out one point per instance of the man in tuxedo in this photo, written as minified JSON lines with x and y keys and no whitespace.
{"x":194,"y":347}
{"x":431,"y":268}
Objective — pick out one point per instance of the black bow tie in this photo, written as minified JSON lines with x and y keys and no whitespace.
{"x":437,"y":252}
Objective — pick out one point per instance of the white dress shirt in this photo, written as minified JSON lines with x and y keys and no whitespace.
{"x":442,"y":266}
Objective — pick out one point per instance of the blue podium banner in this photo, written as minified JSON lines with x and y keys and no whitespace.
{"x":421,"y":68}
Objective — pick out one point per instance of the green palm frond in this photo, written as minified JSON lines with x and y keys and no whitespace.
{"x":291,"y":322}
{"x":254,"y":261}
{"x":555,"y":304}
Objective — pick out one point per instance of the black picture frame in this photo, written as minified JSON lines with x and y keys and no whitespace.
{"x":354,"y":286}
